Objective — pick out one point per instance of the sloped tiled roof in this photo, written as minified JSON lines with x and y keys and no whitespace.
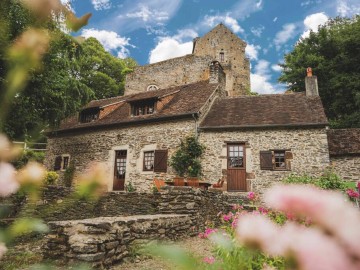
{"x":344,"y":141}
{"x":186,"y":99}
{"x":265,"y":111}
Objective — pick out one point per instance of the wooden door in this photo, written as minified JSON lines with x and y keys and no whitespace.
{"x":236,"y":169}
{"x":119,"y":170}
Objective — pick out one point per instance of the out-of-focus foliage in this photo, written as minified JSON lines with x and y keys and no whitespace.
{"x":27,"y":156}
{"x":334,"y":54}
{"x":70,"y":74}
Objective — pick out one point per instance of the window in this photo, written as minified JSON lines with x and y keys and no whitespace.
{"x":143,"y":108}
{"x":222,"y":57}
{"x":61,"y":162}
{"x":155,"y":161}
{"x":89,"y":115}
{"x":148,"y":161}
{"x":152,"y":87}
{"x":275,"y":160}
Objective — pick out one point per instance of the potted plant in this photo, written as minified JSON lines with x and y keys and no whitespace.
{"x":186,"y":159}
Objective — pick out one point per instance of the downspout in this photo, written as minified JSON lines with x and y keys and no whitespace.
{"x":195,"y":116}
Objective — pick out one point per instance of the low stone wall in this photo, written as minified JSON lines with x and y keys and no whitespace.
{"x":348,"y":167}
{"x":103,"y":241}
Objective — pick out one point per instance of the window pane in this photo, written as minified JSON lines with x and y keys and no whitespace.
{"x":148,"y":161}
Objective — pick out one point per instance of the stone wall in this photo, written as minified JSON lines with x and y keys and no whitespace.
{"x":348,"y":167}
{"x":235,"y":64}
{"x":169,"y":73}
{"x":309,"y":148}
{"x":100,"y":146}
{"x":106,"y":240}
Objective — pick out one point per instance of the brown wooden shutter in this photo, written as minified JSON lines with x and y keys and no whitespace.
{"x":266,"y":160}
{"x":57,"y":164}
{"x":160,"y":160}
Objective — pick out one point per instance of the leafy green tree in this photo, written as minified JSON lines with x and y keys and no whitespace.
{"x":334,"y":54}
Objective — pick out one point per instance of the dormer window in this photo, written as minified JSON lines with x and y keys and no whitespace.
{"x":143,"y":107}
{"x":89,"y":115}
{"x":152,"y":87}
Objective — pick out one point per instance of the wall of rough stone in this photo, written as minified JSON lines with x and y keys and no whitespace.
{"x":106,"y":240}
{"x":169,"y":73}
{"x":235,"y":64}
{"x":100,"y":146}
{"x":309,"y":148}
{"x":348,"y":167}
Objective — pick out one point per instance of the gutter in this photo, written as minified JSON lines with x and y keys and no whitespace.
{"x":262,"y":126}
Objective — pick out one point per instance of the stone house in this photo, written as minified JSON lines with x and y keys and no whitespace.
{"x":251,"y":141}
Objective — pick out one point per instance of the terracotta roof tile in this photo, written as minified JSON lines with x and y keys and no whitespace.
{"x":265,"y":110}
{"x":185,"y":99}
{"x":344,"y":141}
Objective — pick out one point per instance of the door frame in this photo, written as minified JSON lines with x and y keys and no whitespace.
{"x":242,"y":169}
{"x":112,"y":165}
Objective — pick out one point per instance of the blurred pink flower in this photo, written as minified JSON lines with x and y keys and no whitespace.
{"x":209,"y":260}
{"x":3,"y":249}
{"x":327,"y":209}
{"x":227,"y":217}
{"x":256,"y":231}
{"x":207,"y":233}
{"x":8,"y":183}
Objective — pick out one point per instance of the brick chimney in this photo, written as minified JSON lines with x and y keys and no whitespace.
{"x":217,"y":74}
{"x":311,"y":84}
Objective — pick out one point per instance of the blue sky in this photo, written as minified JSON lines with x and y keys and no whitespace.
{"x":155,"y":30}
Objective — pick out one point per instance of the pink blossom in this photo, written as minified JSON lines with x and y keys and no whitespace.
{"x":207,"y":233}
{"x":237,"y":207}
{"x":251,"y":196}
{"x":209,"y":260}
{"x":3,"y":249}
{"x":324,"y":208}
{"x":256,"y":231}
{"x":227,"y":217}
{"x":352,"y":193}
{"x":358,"y":185}
{"x":263,"y":210}
{"x":8,"y":183}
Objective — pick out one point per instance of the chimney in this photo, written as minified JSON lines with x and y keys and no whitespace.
{"x":311,"y":84}
{"x":217,"y":74}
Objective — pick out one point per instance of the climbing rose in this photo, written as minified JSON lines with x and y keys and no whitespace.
{"x":251,"y":196}
{"x":8,"y":183}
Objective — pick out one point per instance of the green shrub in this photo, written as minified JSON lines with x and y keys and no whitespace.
{"x":51,"y":178}
{"x":329,"y":180}
{"x":129,"y":187}
{"x":27,"y":156}
{"x":69,"y":175}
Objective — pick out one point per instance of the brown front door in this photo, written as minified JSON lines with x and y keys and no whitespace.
{"x":119,"y":170}
{"x":236,"y":169}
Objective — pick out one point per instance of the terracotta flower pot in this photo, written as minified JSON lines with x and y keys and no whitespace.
{"x":193,"y":182}
{"x":179,"y":181}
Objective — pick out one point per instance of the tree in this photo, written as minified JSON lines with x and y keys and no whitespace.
{"x":75,"y":73}
{"x":334,"y":54}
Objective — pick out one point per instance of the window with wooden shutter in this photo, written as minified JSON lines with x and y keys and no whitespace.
{"x":160,"y":160}
{"x":266,"y":160}
{"x":57,"y":165}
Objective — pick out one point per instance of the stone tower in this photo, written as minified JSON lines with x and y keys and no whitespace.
{"x":227,"y":48}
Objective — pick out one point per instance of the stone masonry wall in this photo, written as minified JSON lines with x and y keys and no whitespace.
{"x":172,"y":72}
{"x":106,"y":240}
{"x":348,"y":167}
{"x":100,"y":146}
{"x":309,"y":148}
{"x":235,"y":64}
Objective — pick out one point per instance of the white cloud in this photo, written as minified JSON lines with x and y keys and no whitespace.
{"x":276,"y":68}
{"x":284,"y":35}
{"x":275,"y":19}
{"x":244,"y":8}
{"x":312,"y":22}
{"x":169,"y":48}
{"x":259,"y":84}
{"x":101,"y":4}
{"x":252,"y":51}
{"x":347,"y":8}
{"x":257,"y":31}
{"x":110,"y":40}
{"x":211,"y":21}
{"x":173,"y":46}
{"x":146,"y":14}
{"x":262,"y":67}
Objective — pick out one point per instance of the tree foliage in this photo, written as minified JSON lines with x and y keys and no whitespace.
{"x":334,"y":54}
{"x":73,"y":73}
